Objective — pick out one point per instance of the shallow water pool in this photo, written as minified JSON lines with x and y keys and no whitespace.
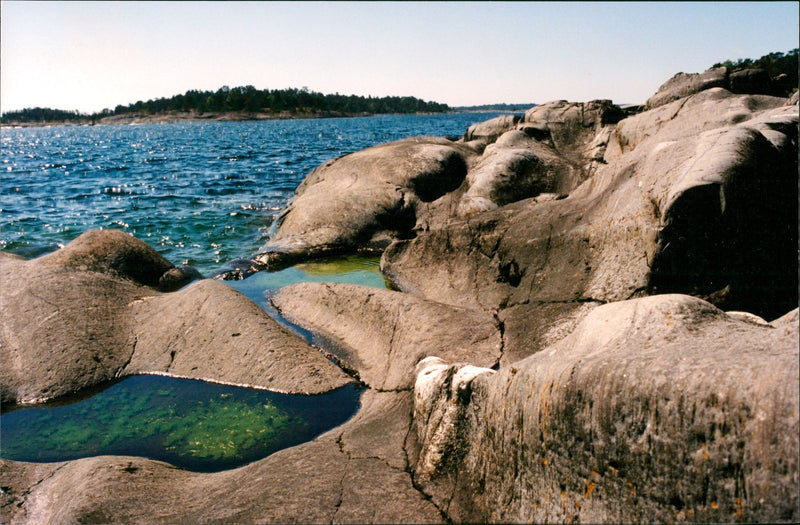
{"x":352,"y":269}
{"x":195,"y":425}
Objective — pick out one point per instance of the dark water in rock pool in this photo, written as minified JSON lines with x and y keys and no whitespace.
{"x":201,"y":194}
{"x":196,"y":425}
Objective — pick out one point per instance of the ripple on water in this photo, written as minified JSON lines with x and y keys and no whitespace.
{"x":119,"y":176}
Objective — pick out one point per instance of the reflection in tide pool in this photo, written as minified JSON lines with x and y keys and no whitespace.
{"x":199,"y":426}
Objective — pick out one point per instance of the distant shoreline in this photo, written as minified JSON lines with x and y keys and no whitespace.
{"x":182,"y":116}
{"x":227,"y":116}
{"x":194,"y":116}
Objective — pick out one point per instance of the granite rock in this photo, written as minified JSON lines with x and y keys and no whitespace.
{"x":656,"y":409}
{"x":382,"y":334}
{"x":80,"y":317}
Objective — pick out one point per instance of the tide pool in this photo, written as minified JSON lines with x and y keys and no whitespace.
{"x":353,"y":269}
{"x":195,"y":425}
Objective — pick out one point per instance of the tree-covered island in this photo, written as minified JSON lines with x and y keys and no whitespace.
{"x":779,"y":70}
{"x":238,"y":103}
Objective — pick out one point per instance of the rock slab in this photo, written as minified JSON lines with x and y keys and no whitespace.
{"x":656,"y":409}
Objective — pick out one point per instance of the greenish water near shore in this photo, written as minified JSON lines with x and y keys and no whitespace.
{"x":202,"y":194}
{"x":196,"y":425}
{"x":352,"y":269}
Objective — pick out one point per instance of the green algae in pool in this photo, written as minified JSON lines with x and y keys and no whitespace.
{"x":352,"y":269}
{"x":196,"y":425}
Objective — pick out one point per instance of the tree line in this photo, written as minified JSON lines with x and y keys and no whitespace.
{"x":43,"y":115}
{"x":244,"y":99}
{"x":496,"y":107}
{"x":774,"y":63}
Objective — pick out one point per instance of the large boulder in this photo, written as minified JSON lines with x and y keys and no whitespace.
{"x":490,"y":130}
{"x":751,"y":81}
{"x":572,"y":126}
{"x":364,"y":199}
{"x":515,"y":167}
{"x":698,"y":196}
{"x":657,"y":409}
{"x":118,"y":253}
{"x":78,"y":318}
{"x":368,"y":199}
{"x":381,"y":334}
{"x":684,"y":84}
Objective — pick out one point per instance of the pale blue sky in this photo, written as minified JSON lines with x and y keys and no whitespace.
{"x":93,"y":55}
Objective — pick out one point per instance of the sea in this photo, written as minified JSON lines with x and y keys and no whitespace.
{"x":200,"y":193}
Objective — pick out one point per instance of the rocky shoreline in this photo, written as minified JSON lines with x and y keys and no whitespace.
{"x":594,"y":320}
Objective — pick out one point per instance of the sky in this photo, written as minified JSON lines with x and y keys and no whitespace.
{"x":88,"y":56}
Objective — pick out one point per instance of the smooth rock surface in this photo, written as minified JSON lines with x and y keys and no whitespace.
{"x":77,"y":318}
{"x":366,"y":198}
{"x":572,"y":126}
{"x":210,"y":331}
{"x":751,"y":81}
{"x":684,"y":84}
{"x":515,"y":167}
{"x":698,"y":196}
{"x":538,"y":366}
{"x":488,"y":131}
{"x":381,"y":334}
{"x":657,"y":409}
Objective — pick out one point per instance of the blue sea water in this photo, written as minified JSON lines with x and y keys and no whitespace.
{"x":201,"y":193}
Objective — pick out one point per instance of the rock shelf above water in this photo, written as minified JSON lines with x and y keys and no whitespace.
{"x":557,"y":347}
{"x":91,"y":312}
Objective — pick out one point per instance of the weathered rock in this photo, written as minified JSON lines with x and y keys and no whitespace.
{"x":542,"y":403}
{"x":750,"y":81}
{"x":656,"y":409}
{"x":489,"y":130}
{"x":365,"y":198}
{"x":111,"y":251}
{"x":531,"y":327}
{"x":696,"y":196}
{"x":684,"y":84}
{"x":178,"y":277}
{"x":355,"y":473}
{"x":80,"y":317}
{"x":687,"y":118}
{"x":210,"y":331}
{"x":572,"y":126}
{"x":381,"y":334}
{"x":514,"y":168}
